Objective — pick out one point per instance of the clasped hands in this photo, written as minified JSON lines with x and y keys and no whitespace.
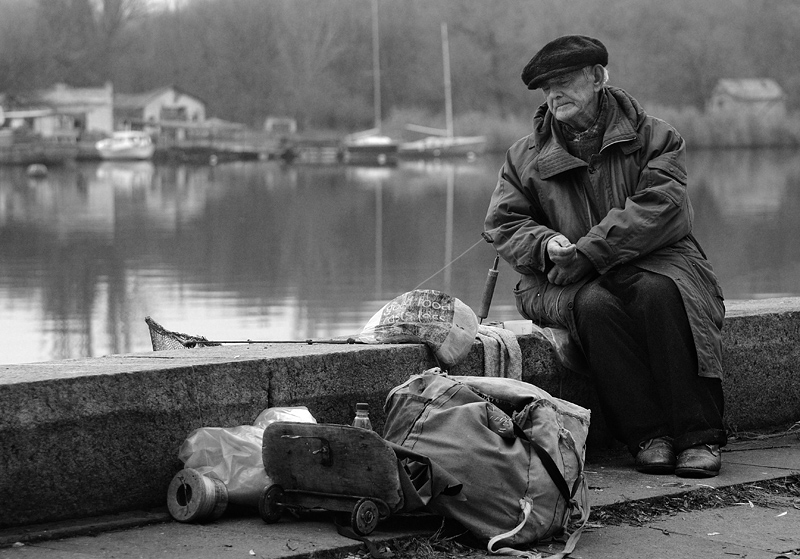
{"x":570,"y":264}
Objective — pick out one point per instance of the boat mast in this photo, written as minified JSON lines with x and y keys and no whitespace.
{"x":376,"y":66}
{"x":448,"y":94}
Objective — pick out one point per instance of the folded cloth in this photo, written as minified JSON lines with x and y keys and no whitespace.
{"x":502,"y":356}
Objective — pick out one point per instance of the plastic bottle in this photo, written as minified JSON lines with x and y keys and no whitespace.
{"x":362,"y":416}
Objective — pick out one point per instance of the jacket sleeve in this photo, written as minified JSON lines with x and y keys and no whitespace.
{"x":656,"y":214}
{"x":512,"y":225}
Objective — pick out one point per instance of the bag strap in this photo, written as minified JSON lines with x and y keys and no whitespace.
{"x":572,"y":541}
{"x":526,"y":506}
{"x":548,"y":463}
{"x":560,"y":483}
{"x":526,"y":512}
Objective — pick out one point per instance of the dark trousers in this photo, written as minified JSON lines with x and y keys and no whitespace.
{"x":634,"y":331}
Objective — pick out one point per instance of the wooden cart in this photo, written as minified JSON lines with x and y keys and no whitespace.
{"x":331,"y":467}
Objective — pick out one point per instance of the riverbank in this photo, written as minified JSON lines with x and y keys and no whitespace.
{"x":700,"y":129}
{"x":88,"y":437}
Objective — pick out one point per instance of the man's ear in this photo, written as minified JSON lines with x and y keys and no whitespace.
{"x":598,"y":76}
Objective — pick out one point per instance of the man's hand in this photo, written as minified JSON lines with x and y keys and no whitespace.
{"x":561,"y":250}
{"x":570,"y":264}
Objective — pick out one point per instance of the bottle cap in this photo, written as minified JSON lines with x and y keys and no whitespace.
{"x":361,"y":406}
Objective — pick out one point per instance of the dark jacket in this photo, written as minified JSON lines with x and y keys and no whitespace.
{"x":628,"y":205}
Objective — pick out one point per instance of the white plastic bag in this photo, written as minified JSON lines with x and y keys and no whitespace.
{"x":233,"y":454}
{"x":444,"y":323}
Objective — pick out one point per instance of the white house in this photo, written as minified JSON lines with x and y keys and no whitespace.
{"x":83,"y":108}
{"x":64,"y":112}
{"x":762,"y":96}
{"x":160,"y":106}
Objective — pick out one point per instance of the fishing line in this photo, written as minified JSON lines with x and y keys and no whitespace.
{"x":450,"y":263}
{"x":158,"y":333}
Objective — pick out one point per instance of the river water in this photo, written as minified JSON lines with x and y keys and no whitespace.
{"x":268,"y":251}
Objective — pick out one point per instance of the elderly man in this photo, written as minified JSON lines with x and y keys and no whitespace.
{"x":592,"y":210}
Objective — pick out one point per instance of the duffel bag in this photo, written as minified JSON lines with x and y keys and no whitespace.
{"x":518,"y":452}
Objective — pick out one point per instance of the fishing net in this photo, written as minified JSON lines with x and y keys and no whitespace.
{"x":166,"y":339}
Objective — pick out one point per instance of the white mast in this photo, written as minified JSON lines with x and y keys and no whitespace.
{"x":448,"y":94}
{"x":376,"y":66}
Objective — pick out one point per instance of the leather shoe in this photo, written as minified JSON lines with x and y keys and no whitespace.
{"x":703,"y":460}
{"x":656,"y":456}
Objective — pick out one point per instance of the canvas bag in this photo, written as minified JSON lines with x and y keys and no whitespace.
{"x":518,"y":451}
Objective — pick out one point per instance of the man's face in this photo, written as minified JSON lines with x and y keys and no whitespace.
{"x":572,"y":100}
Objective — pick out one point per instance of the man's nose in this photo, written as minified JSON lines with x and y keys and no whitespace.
{"x":553,"y":94}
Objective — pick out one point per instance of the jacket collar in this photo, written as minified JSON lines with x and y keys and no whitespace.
{"x":624,"y":114}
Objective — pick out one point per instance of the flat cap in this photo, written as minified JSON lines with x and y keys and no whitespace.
{"x":562,"y":56}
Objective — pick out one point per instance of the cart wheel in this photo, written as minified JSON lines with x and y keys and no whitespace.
{"x":364,"y":517}
{"x":269,"y":506}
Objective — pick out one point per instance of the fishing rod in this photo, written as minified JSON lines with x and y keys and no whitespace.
{"x":194,"y":343}
{"x":488,"y":290}
{"x":167,"y":339}
{"x":158,"y":333}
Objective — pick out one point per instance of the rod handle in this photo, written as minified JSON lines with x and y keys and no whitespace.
{"x":488,"y":289}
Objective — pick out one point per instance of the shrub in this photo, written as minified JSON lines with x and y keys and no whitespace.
{"x":732,"y":129}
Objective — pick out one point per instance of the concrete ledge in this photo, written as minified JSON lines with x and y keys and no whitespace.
{"x":88,"y":437}
{"x":761,"y":361}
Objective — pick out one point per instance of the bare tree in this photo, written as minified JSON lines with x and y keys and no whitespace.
{"x":112,"y":16}
{"x":20,"y":51}
{"x":314,"y":37}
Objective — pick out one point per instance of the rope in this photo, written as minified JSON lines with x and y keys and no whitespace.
{"x":423,"y":282}
{"x":526,"y":506}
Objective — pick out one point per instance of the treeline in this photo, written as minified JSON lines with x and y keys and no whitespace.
{"x":312,"y":59}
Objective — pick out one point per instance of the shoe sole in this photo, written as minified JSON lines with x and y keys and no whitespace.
{"x":695,"y":472}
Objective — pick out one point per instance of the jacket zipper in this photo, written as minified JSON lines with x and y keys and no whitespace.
{"x":588,"y":207}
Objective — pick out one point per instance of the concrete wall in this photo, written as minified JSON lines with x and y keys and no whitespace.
{"x":98,"y":436}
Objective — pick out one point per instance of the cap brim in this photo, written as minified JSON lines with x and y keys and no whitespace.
{"x":537,"y":82}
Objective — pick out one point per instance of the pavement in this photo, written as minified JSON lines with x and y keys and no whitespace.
{"x":750,"y":528}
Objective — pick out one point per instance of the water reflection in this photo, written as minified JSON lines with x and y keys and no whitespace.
{"x":260,"y":250}
{"x":747,"y":214}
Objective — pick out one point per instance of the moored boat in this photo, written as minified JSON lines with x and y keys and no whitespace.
{"x":36,"y":170}
{"x":126,"y":144}
{"x":443,"y":142}
{"x":444,"y":146}
{"x":372,"y":148}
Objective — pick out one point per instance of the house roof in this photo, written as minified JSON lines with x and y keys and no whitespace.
{"x":141,"y":100}
{"x":62,"y":94}
{"x":750,"y":89}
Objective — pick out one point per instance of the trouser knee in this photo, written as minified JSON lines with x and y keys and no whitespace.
{"x":592,"y":301}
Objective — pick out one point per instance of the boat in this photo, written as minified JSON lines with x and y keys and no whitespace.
{"x":371,"y":146}
{"x":444,"y":146}
{"x":442,"y":142}
{"x":36,"y":170}
{"x":126,"y":144}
